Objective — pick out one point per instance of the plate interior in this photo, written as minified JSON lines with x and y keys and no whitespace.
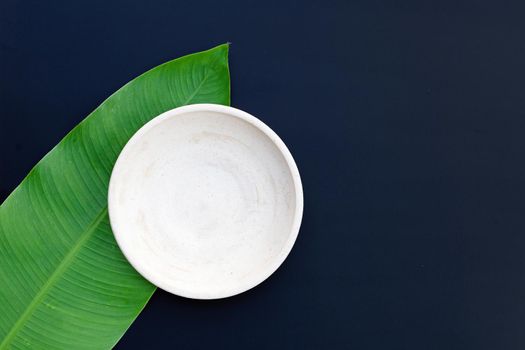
{"x":203,"y":204}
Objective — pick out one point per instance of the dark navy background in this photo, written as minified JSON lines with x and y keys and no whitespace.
{"x":406,"y":119}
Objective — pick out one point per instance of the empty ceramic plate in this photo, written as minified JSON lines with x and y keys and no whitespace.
{"x":205,"y":201}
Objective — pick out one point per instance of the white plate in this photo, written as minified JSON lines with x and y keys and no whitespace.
{"x":205,"y":201}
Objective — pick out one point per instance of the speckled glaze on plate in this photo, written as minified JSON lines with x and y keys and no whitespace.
{"x":205,"y":201}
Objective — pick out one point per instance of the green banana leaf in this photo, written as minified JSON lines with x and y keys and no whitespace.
{"x":64,"y":284}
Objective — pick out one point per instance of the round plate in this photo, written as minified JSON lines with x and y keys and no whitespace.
{"x":205,"y":201}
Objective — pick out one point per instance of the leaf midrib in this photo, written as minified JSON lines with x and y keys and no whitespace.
{"x":59,"y":271}
{"x":188,"y":100}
